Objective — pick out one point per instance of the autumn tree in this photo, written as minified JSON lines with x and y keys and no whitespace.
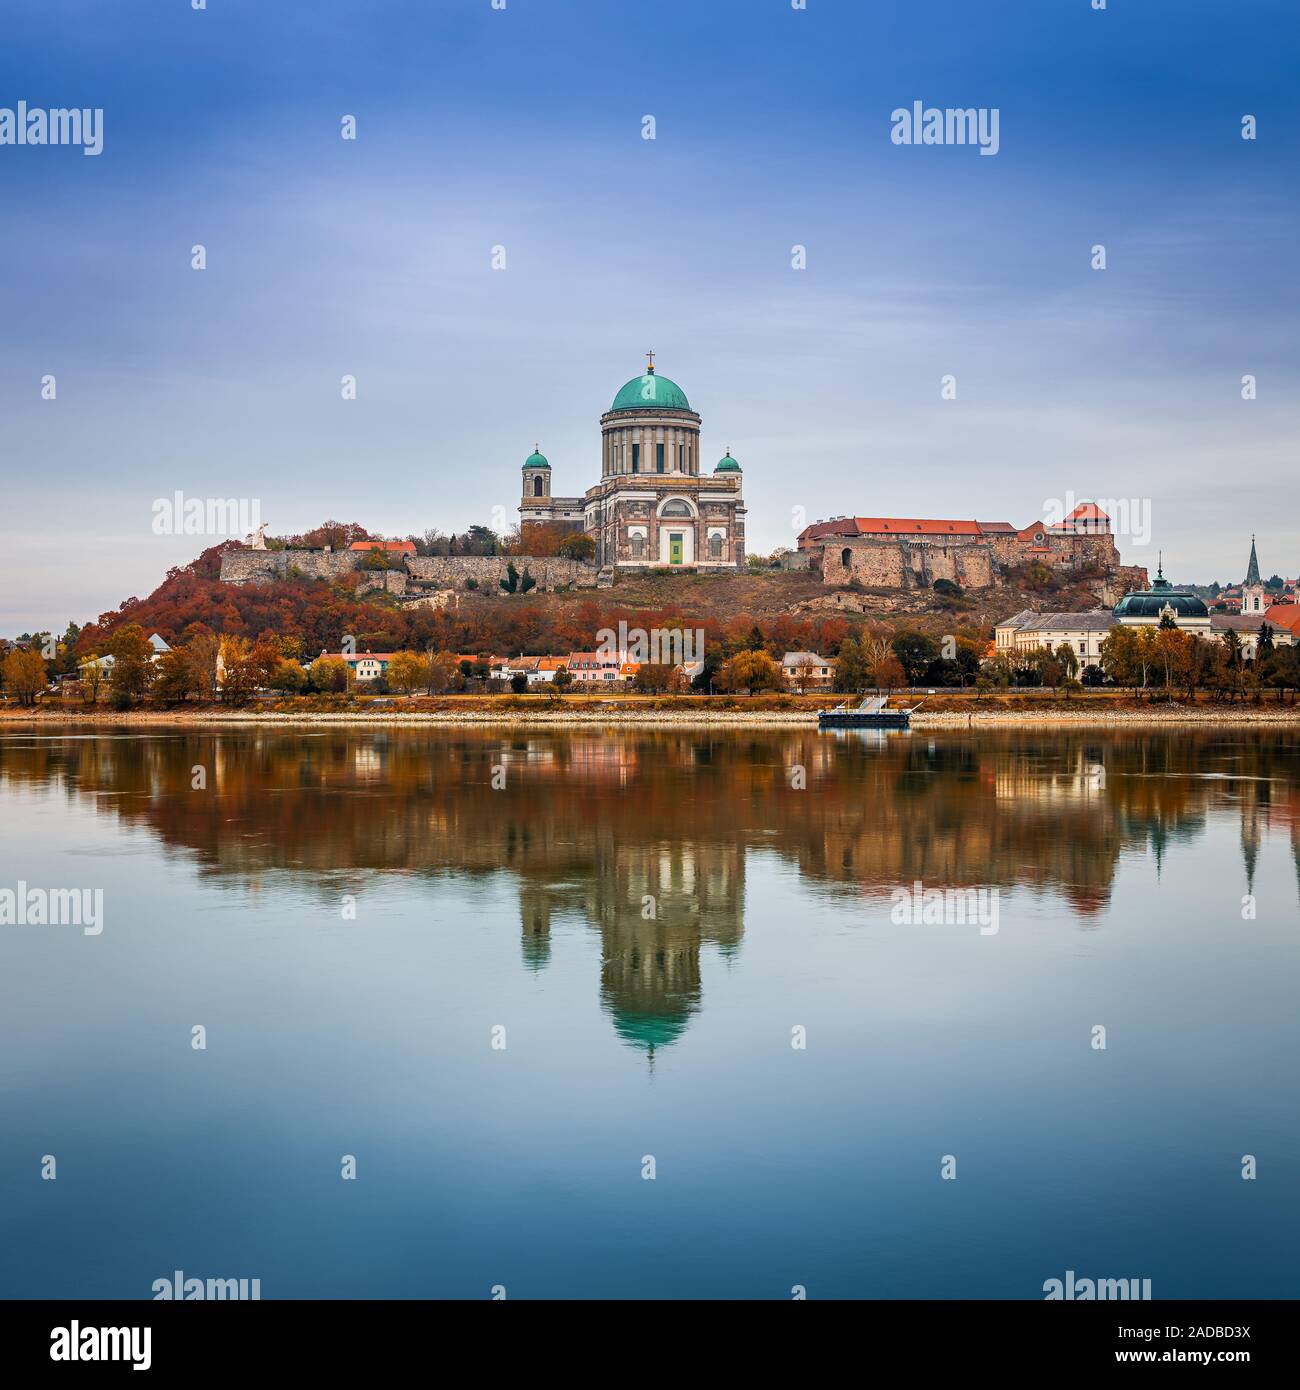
{"x":24,"y":674}
{"x":330,"y":674}
{"x":1119,"y":656}
{"x":753,"y":671}
{"x":132,"y":670}
{"x":93,"y":677}
{"x":659,"y":678}
{"x":444,"y":673}
{"x":1169,"y":645}
{"x":201,"y":647}
{"x":239,"y":675}
{"x":408,"y":672}
{"x":175,"y":679}
{"x":578,"y":546}
{"x":288,"y":676}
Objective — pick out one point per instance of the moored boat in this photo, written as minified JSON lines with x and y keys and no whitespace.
{"x":873,"y":713}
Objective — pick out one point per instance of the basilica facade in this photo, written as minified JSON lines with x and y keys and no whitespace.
{"x":654,"y":504}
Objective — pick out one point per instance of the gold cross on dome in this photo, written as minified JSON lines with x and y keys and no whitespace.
{"x":651,"y":367}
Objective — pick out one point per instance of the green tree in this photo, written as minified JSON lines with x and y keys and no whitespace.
{"x":481,"y":540}
{"x":711,"y":665}
{"x":915,"y":651}
{"x":850,"y":667}
{"x":1284,"y":673}
{"x":1069,"y":663}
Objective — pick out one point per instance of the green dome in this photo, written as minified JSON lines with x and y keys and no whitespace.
{"x":651,"y":392}
{"x":1152,"y":602}
{"x":647,"y":1031}
{"x":536,"y":460}
{"x":727,"y":464}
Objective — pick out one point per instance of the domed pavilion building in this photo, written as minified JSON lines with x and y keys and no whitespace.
{"x":1146,"y":607}
{"x":655,"y":505}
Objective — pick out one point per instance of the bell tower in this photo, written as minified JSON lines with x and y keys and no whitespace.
{"x":537,"y":477}
{"x":1253,"y":602}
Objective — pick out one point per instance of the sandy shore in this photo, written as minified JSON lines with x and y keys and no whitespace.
{"x":1156,"y":716}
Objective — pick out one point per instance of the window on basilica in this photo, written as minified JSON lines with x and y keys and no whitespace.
{"x":676,"y":508}
{"x":715,"y":546}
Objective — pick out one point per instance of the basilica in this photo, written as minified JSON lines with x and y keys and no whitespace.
{"x":654,"y":504}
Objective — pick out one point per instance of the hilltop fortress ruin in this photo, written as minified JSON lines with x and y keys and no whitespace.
{"x":419,"y":580}
{"x":912,"y":553}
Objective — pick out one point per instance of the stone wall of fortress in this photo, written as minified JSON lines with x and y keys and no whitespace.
{"x":419,"y":571}
{"x":451,"y":571}
{"x":974,"y":563}
{"x":262,"y":566}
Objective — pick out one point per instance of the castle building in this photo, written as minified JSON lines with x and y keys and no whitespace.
{"x":654,"y":504}
{"x":912,"y":552}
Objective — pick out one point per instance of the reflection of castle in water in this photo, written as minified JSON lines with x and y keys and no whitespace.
{"x":655,"y":906}
{"x":643,"y":835}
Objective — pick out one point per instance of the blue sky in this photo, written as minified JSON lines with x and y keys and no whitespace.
{"x":522,"y":128}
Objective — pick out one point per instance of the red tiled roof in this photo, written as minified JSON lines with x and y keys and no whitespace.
{"x":395,"y":547}
{"x":1087,"y":511}
{"x":890,"y":526}
{"x":1285,"y":615}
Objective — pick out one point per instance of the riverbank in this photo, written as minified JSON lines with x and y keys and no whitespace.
{"x":976,"y":716}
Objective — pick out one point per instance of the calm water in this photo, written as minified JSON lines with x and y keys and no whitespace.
{"x":1120,"y":864}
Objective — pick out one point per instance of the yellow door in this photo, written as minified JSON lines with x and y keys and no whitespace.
{"x":674,"y":549}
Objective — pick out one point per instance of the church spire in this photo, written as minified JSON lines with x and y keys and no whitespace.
{"x":1252,"y":569}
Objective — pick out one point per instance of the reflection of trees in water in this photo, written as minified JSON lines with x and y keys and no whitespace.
{"x":592,"y":825}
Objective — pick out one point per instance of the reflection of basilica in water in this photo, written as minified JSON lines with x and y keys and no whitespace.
{"x":643,"y":836}
{"x":655,"y":906}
